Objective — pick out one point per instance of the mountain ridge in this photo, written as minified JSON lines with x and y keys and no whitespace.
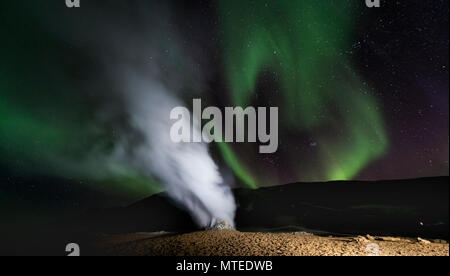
{"x":407,"y":207}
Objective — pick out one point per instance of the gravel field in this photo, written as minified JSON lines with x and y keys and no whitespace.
{"x":234,"y":243}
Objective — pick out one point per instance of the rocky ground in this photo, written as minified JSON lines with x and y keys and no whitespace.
{"x":234,"y":243}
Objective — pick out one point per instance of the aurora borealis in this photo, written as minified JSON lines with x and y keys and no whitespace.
{"x":362,"y":93}
{"x":303,"y":49}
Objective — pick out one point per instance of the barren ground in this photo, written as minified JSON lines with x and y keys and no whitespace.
{"x":234,"y":243}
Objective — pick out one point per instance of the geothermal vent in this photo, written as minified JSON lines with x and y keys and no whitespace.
{"x":220,"y":226}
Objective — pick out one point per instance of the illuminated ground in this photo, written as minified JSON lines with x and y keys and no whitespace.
{"x":233,"y":243}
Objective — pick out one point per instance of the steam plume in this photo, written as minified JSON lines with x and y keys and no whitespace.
{"x":189,"y":174}
{"x":146,"y":70}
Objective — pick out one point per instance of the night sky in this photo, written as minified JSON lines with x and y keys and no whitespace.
{"x":363,"y":93}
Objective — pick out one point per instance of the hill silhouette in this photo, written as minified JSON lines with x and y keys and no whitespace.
{"x":409,"y":208}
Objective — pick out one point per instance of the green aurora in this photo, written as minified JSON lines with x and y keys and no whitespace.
{"x":304,"y":48}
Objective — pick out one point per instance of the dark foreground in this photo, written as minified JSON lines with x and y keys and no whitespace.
{"x":334,"y":212}
{"x":403,"y":208}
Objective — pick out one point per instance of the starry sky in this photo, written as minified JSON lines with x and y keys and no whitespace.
{"x":362,"y":93}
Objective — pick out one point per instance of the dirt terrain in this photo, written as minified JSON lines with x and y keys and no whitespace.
{"x":234,"y":243}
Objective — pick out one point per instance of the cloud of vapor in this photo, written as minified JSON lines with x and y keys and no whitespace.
{"x":187,"y":171}
{"x":146,"y":69}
